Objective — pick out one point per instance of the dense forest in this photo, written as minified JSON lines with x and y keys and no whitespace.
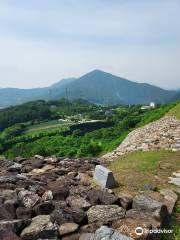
{"x":69,"y":128}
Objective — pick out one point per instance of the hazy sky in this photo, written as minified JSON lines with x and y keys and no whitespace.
{"x":43,"y":41}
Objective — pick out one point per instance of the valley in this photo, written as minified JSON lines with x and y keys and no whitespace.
{"x":65,"y":128}
{"x":48,"y":153}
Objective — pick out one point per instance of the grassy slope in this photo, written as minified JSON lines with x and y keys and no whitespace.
{"x":137,"y":168}
{"x":175,"y":111}
{"x":134,"y":170}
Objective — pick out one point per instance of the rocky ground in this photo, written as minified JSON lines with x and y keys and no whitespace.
{"x":161,"y":134}
{"x":55,"y":198}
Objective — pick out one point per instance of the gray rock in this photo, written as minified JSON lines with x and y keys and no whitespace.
{"x":28,"y":198}
{"x":15,"y":166}
{"x":157,"y":209}
{"x":97,"y":197}
{"x":104,"y":177}
{"x":146,"y":203}
{"x":105,"y":233}
{"x":149,"y":186}
{"x":12,"y":178}
{"x":170,"y":197}
{"x":174,"y":180}
{"x":105,"y":213}
{"x":61,"y":216}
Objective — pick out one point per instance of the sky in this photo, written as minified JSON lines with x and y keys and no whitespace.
{"x":44,"y":41}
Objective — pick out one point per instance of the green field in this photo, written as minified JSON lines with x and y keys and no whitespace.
{"x":47,"y":126}
{"x":175,"y":111}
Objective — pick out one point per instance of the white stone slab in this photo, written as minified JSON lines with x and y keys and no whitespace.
{"x":104,"y":177}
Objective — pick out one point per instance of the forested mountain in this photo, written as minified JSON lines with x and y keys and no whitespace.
{"x":97,"y":86}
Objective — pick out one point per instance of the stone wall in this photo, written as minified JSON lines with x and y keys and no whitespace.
{"x":161,"y":134}
{"x":54,"y":199}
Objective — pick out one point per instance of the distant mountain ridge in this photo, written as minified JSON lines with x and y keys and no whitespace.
{"x":96,"y":86}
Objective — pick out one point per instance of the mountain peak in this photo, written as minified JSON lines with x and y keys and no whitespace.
{"x":97,"y":71}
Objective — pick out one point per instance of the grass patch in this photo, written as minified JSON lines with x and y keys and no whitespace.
{"x":46,"y":126}
{"x":175,"y":111}
{"x":134,"y":170}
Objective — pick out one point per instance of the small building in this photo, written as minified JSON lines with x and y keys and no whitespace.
{"x":150,"y":106}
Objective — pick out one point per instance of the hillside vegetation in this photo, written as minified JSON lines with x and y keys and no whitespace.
{"x":175,"y":111}
{"x":43,"y":134}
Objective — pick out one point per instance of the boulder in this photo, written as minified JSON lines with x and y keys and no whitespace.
{"x":78,"y":202}
{"x":61,"y":216}
{"x":13,"y":178}
{"x":84,"y":179}
{"x":37,"y":163}
{"x":126,"y":200}
{"x":8,"y":235}
{"x":24,"y":213}
{"x":48,"y":195}
{"x":79,"y":216}
{"x":145,"y":203}
{"x":60,"y":204}
{"x":16,"y":225}
{"x":66,"y":228}
{"x":59,"y":192}
{"x":8,"y":195}
{"x":5,"y":213}
{"x":10,"y":206}
{"x":105,"y":213}
{"x":170,"y":198}
{"x":28,"y":198}
{"x":15,"y":167}
{"x":44,"y":208}
{"x":41,"y":227}
{"x":107,"y":233}
{"x":96,"y":196}
{"x":79,"y":190}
